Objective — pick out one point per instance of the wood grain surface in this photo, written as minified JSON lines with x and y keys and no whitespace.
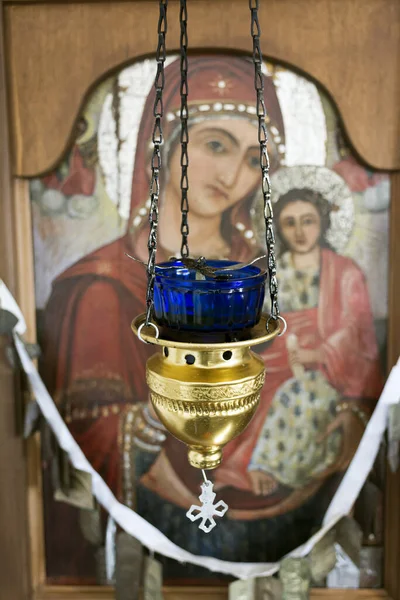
{"x":14,"y":551}
{"x":206,"y":593}
{"x":54,"y":53}
{"x":57,"y":51}
{"x":392,"y":511}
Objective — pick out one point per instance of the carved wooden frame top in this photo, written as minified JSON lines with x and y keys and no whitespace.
{"x":55,"y":52}
{"x":351,"y":47}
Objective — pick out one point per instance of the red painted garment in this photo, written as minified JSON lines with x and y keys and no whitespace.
{"x":99,"y":312}
{"x":80,"y":179}
{"x":91,"y":356}
{"x":92,"y":360}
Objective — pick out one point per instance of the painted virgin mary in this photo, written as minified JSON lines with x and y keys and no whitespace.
{"x":93,"y":364}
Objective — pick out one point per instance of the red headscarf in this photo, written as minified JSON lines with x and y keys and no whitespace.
{"x":219,"y":87}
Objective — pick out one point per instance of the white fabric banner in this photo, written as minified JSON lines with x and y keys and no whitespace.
{"x":151,"y":537}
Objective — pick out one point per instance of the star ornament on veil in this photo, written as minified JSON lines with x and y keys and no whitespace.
{"x":208,"y":510}
{"x":221,"y":85}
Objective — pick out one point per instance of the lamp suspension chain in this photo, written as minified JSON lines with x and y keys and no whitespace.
{"x":156,"y":162}
{"x":264,"y":159}
{"x":184,"y":114}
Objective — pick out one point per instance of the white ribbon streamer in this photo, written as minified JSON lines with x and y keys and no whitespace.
{"x":156,"y":541}
{"x":110,"y":550}
{"x":367,"y":450}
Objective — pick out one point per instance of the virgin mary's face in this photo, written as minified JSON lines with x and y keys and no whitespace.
{"x":300,"y":226}
{"x":224,"y":165}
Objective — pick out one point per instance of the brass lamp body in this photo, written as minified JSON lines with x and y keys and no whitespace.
{"x":206,"y":394}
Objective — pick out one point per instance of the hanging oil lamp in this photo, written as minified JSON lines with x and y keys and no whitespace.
{"x":206,"y":315}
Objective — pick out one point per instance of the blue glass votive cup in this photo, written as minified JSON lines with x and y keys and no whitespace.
{"x":187,"y":300}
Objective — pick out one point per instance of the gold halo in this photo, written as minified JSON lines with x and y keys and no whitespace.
{"x":319,"y":179}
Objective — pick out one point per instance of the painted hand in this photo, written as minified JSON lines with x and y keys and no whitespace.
{"x":303,"y":356}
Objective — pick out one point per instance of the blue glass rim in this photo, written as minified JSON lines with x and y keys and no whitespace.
{"x":175,"y":272}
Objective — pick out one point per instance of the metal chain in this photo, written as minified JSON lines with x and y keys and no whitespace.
{"x":264,"y":159}
{"x":157,"y":138}
{"x":184,"y":114}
